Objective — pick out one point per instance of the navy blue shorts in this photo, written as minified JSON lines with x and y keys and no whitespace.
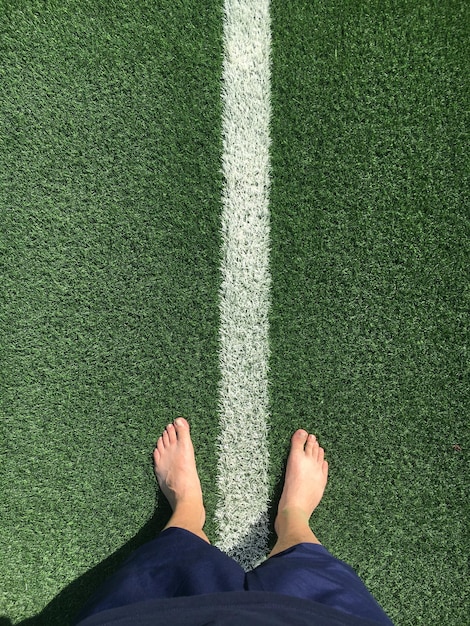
{"x":179,"y":563}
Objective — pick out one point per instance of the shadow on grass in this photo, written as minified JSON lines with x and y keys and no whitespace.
{"x":249,"y":551}
{"x":64,"y":608}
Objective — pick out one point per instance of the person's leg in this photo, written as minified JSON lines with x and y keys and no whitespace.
{"x":305,"y":482}
{"x":175,"y":469}
{"x":180,"y":561}
{"x":299,"y":565}
{"x":176,"y":563}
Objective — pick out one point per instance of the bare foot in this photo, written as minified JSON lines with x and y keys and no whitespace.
{"x":306,"y":475}
{"x":175,"y":469}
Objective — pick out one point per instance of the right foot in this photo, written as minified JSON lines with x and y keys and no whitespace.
{"x":306,"y":476}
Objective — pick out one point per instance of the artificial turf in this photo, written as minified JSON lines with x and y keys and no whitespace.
{"x":370,"y":265}
{"x":110,"y":189}
{"x":110,"y":196}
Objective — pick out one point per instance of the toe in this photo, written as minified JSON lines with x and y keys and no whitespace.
{"x":158,"y":450}
{"x":166,"y":439}
{"x":170,"y":429}
{"x":298,"y":439}
{"x":311,"y":440}
{"x":182,"y":427}
{"x":181,"y":423}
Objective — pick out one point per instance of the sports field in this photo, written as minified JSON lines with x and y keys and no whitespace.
{"x":111,"y":308}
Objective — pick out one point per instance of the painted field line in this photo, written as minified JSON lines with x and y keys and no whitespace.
{"x":245,"y":290}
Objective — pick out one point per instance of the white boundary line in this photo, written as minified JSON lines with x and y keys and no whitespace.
{"x":245,"y":291}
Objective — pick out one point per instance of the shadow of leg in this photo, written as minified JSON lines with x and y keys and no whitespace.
{"x":63,"y":609}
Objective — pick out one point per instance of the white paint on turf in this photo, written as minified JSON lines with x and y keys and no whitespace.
{"x":245,"y":291}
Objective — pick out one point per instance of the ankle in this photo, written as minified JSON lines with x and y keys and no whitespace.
{"x":189,"y":514}
{"x":291,"y":538}
{"x":291,"y":511}
{"x":291,"y":518}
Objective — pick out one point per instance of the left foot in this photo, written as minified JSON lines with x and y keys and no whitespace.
{"x":175,"y":469}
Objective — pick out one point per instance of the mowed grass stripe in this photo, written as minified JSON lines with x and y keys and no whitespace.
{"x":245,"y":290}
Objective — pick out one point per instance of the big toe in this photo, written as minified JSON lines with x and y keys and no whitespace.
{"x":182,"y":427}
{"x":298,"y":439}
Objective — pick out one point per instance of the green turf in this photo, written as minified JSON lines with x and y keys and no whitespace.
{"x":110,"y":190}
{"x":369,"y":324}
